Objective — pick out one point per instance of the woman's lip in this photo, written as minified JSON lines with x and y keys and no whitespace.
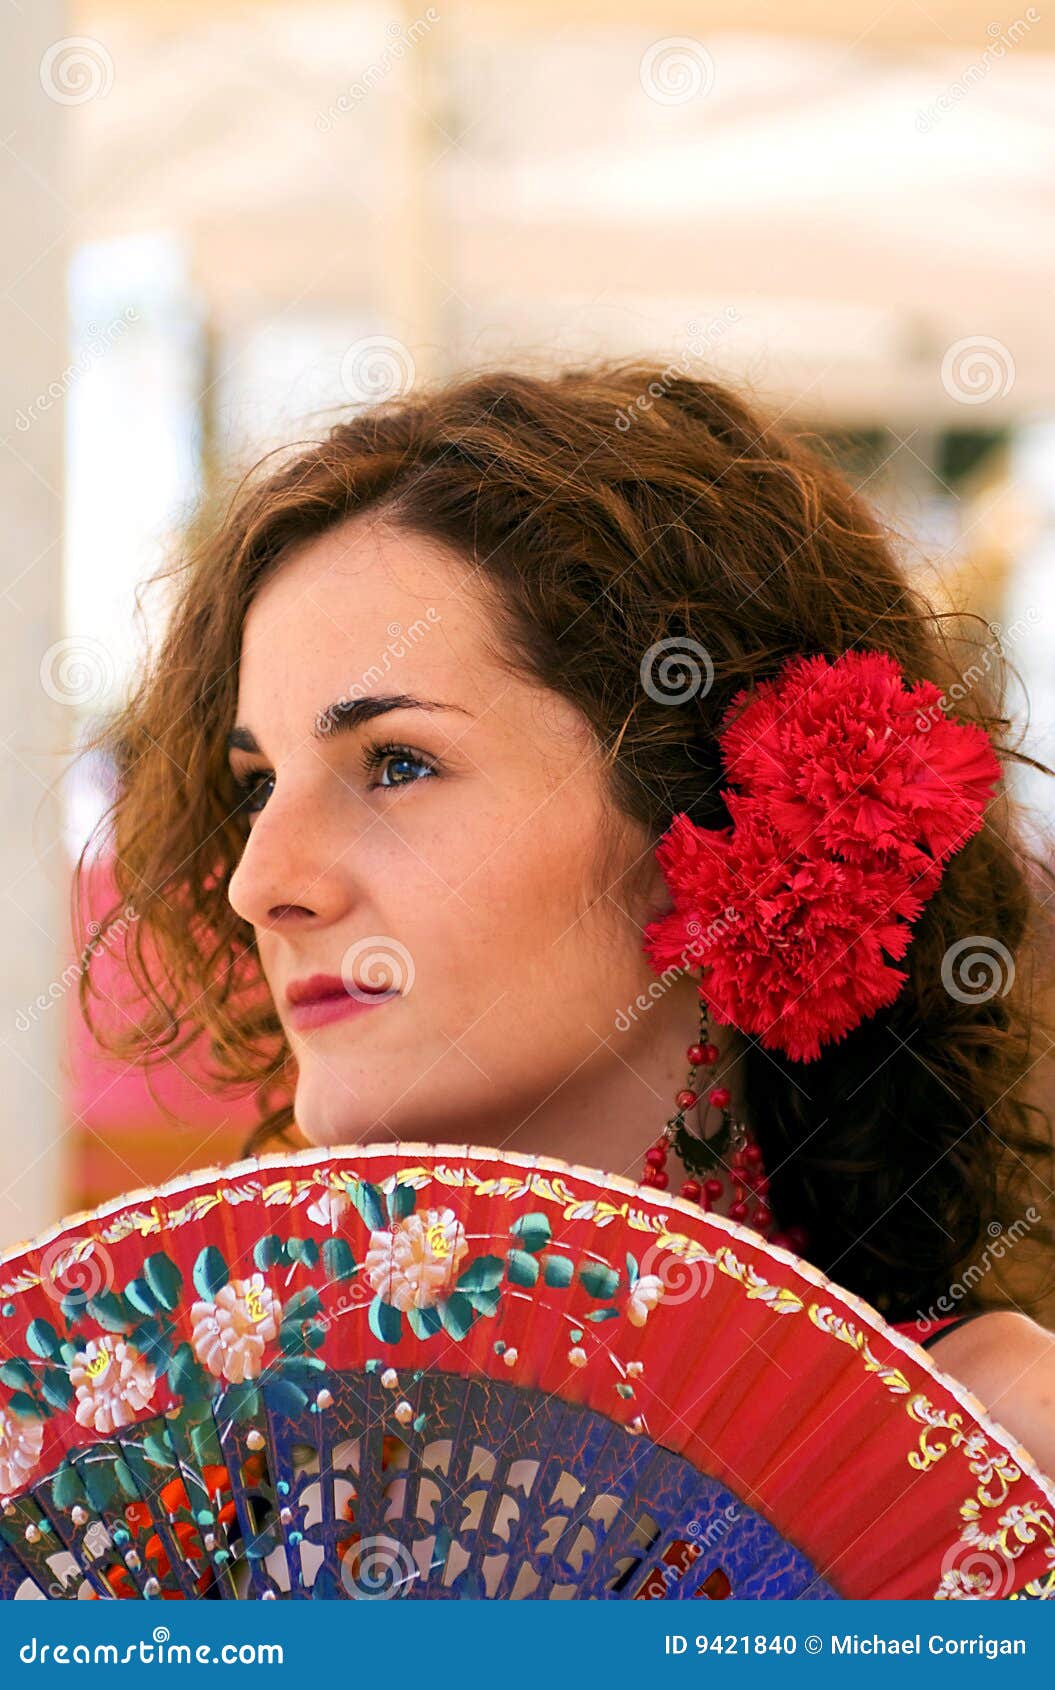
{"x":317,"y":1012}
{"x":315,"y":986}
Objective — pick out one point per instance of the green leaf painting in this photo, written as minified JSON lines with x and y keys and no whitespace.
{"x":303,"y":1251}
{"x":268,"y":1252}
{"x":164,"y":1279}
{"x":26,"y":1407}
{"x":56,"y":1388}
{"x":110,"y":1311}
{"x":424,"y":1323}
{"x":401,"y":1202}
{"x":184,"y":1374}
{"x":533,"y":1231}
{"x":485,"y":1273}
{"x":386,"y":1322}
{"x":599,"y":1280}
{"x":17,"y":1373}
{"x":66,"y":1488}
{"x":283,"y":1397}
{"x":42,"y":1339}
{"x":141,"y":1297}
{"x":523,"y":1269}
{"x":337,"y":1258}
{"x":557,"y":1271}
{"x":367,"y":1200}
{"x":457,"y":1314}
{"x":210,"y":1273}
{"x":302,"y":1305}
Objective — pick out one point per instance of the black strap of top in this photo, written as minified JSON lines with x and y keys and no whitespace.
{"x":961,"y":1320}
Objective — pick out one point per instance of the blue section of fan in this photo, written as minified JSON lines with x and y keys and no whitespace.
{"x":429,"y":1486}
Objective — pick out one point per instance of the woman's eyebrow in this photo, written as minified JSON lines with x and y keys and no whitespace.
{"x":346,"y":714}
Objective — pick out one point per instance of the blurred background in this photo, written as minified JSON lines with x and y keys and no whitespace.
{"x":223,"y":219}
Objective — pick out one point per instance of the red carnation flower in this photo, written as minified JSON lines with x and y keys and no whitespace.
{"x":796,"y":948}
{"x":854,"y":791}
{"x":853,"y":762}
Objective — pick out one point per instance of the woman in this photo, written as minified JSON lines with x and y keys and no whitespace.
{"x":430,"y":699}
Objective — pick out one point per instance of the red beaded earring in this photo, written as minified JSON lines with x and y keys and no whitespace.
{"x":704,"y":1157}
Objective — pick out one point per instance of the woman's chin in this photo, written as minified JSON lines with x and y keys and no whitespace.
{"x":322,"y":1121}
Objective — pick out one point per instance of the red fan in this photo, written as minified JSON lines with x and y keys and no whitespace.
{"x":441,"y":1372}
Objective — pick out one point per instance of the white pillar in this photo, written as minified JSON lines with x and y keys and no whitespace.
{"x":411,"y":252}
{"x":33,"y":725}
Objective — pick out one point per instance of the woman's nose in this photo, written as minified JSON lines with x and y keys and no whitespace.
{"x":294,"y":866}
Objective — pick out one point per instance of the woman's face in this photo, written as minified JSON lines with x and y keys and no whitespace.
{"x":440,"y":841}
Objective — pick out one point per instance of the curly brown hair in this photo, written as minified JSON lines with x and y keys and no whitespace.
{"x":610,"y":508}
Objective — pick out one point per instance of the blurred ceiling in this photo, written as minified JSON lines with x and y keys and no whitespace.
{"x":824,"y":201}
{"x":900,"y":23}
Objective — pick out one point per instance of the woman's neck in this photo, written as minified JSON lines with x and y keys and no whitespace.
{"x":607,"y":1113}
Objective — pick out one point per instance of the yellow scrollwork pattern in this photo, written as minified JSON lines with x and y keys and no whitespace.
{"x":837,"y":1326}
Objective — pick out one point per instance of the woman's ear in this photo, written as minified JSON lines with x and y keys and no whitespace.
{"x":660,"y":898}
{"x":642,"y":888}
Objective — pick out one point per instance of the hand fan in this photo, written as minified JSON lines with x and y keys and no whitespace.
{"x":444,"y":1372}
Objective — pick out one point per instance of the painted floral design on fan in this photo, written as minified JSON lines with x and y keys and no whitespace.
{"x":231,"y":1331}
{"x":123,"y":1352}
{"x":21,"y":1442}
{"x":112,"y":1383}
{"x":420,"y":1267}
{"x":415,"y":1263}
{"x":644,"y":1296}
{"x":326,"y":1211}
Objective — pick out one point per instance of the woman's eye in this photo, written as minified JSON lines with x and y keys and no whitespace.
{"x":400,"y":768}
{"x":393,"y":765}
{"x":252,"y":790}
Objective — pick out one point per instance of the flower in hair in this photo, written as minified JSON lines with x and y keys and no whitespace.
{"x":849,"y":792}
{"x":851,"y":760}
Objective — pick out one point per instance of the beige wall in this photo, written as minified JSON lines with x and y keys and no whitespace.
{"x":32,"y":868}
